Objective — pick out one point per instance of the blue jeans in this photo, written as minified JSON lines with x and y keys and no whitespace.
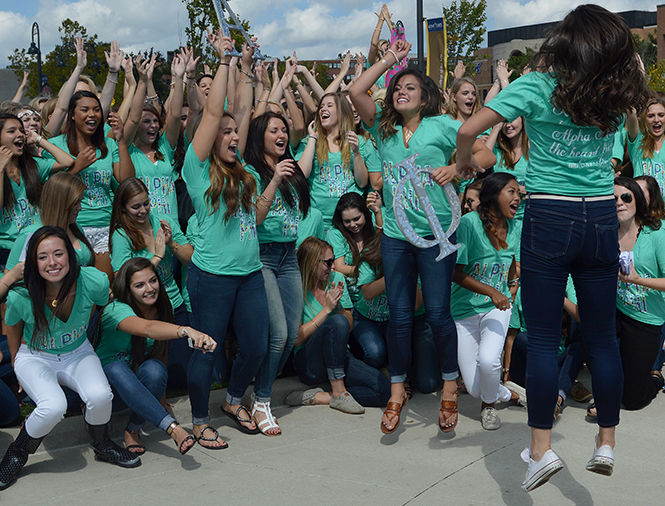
{"x":141,"y":391}
{"x":371,"y":337}
{"x":660,"y":358}
{"x":325,"y":356}
{"x":425,"y":373}
{"x":217,"y":301}
{"x":179,"y":351}
{"x":402,"y":263}
{"x":580,"y":238}
{"x":281,"y":277}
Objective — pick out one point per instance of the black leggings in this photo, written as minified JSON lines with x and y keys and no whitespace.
{"x":638,"y":343}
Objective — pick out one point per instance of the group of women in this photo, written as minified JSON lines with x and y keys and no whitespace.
{"x":258,"y":262}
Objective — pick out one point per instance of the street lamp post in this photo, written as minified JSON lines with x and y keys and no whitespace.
{"x":36,"y":49}
{"x":419,"y":31}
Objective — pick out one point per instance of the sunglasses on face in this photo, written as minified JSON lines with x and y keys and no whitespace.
{"x":329,"y":262}
{"x":626,"y":197}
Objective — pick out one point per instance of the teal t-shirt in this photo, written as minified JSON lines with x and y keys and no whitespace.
{"x":564,"y":158}
{"x":639,"y":302}
{"x":226,"y":247}
{"x":123,"y":250}
{"x":281,"y":222}
{"x":92,"y":288}
{"x":654,"y":166}
{"x":22,"y":213}
{"x":341,"y":248}
{"x":375,"y":309}
{"x":434,"y":140}
{"x":159,"y":177}
{"x":482,"y":262}
{"x":98,"y":178}
{"x":20,"y":247}
{"x":331,"y":179}
{"x":116,"y":344}
{"x":619,"y":147}
{"x":310,"y":226}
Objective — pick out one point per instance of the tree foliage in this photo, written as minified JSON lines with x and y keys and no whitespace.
{"x":465,"y":26}
{"x":201,"y":14}
{"x":656,"y":76}
{"x":517,"y":62}
{"x":647,"y":49}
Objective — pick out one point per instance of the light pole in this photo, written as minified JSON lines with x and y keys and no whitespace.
{"x":36,"y":49}
{"x":419,"y":31}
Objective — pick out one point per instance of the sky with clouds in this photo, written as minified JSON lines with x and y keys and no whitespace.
{"x":317,"y":29}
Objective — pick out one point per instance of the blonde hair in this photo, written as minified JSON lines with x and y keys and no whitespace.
{"x":451,"y":107}
{"x":309,"y":254}
{"x":648,"y":144}
{"x":344,"y":125}
{"x":59,"y":194}
{"x":47,"y":109}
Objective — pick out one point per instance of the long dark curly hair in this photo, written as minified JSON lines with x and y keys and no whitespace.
{"x":488,"y":208}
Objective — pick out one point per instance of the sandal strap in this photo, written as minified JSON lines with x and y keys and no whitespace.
{"x":247,"y":419}
{"x":264,"y":407}
{"x":393,"y":408}
{"x":214,"y":431}
{"x":449,"y":406}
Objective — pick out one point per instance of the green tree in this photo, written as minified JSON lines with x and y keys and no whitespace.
{"x":647,"y":49}
{"x":465,"y":26}
{"x":656,"y":76}
{"x":201,"y":14}
{"x":517,"y":62}
{"x":58,"y":64}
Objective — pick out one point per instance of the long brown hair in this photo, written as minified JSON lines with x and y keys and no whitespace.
{"x":234,"y":184}
{"x":506,"y":148}
{"x":344,"y":126}
{"x":353,"y":200}
{"x":159,"y":156}
{"x":648,"y":144}
{"x":122,"y":292}
{"x":489,"y":206}
{"x":97,"y":137}
{"x":429,"y":93}
{"x":128,"y":189}
{"x":27,"y":168}
{"x":60,"y":194}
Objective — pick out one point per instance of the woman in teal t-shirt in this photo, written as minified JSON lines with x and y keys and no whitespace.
{"x":572,"y":105}
{"x":225,"y":271}
{"x":136,"y":231}
{"x":334,"y":156}
{"x":47,"y":323}
{"x":480,"y":296}
{"x":283,"y":199}
{"x":59,"y":205}
{"x":21,"y":178}
{"x":639,"y":298}
{"x":154,"y":141}
{"x":321,"y":354}
{"x":646,"y":136}
{"x":510,"y":144}
{"x":101,"y":162}
{"x":132,"y":352}
{"x":409,"y":124}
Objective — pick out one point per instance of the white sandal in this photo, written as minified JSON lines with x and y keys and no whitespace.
{"x":268,"y":422}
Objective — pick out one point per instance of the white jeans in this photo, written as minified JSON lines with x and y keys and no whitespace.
{"x":41,"y":374}
{"x":480,"y":340}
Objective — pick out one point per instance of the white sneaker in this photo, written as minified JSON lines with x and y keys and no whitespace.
{"x":602,"y":461}
{"x":539,"y":473}
{"x":489,"y":418}
{"x":520,"y":391}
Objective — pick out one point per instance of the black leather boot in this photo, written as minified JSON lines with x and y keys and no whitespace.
{"x":107,"y":450}
{"x":16,"y":457}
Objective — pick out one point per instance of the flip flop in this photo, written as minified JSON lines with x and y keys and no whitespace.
{"x":240,"y":420}
{"x":448,"y":409}
{"x":215,"y":438}
{"x":136,"y":449}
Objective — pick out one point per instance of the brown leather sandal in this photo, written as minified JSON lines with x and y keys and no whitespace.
{"x":448,"y":410}
{"x":393,"y":409}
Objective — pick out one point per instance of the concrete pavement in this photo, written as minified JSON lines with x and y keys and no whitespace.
{"x":327,"y":457}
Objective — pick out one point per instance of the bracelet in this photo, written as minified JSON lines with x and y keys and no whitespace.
{"x":313,"y":137}
{"x":114,"y":81}
{"x":385,"y":62}
{"x":191,"y":77}
{"x":39,"y":139}
{"x":389,"y":50}
{"x":274,"y":103}
{"x":379,"y":227}
{"x":152,"y":97}
{"x":247,"y":74}
{"x":259,"y":101}
{"x":262,"y":196}
{"x":246,"y":82}
{"x":114,"y":72}
{"x":161,"y":258}
{"x":225,"y":64}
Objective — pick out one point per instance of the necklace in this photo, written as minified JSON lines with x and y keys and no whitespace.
{"x":407,"y":136}
{"x":54,"y":303}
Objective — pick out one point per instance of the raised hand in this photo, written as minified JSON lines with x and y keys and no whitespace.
{"x":346,"y":63}
{"x":333,"y":295}
{"x":81,"y":54}
{"x":283,"y":169}
{"x":168,"y":233}
{"x":160,"y":243}
{"x":128,"y":69}
{"x":178,"y":65}
{"x":5,"y":157}
{"x":401,"y":49}
{"x":116,"y":126}
{"x":114,"y":56}
{"x":502,"y":71}
{"x":354,"y":142}
{"x":374,"y":202}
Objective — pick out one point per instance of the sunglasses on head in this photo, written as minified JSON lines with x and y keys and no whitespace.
{"x":329,"y":262}
{"x":626,"y":197}
{"x":27,"y":113}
